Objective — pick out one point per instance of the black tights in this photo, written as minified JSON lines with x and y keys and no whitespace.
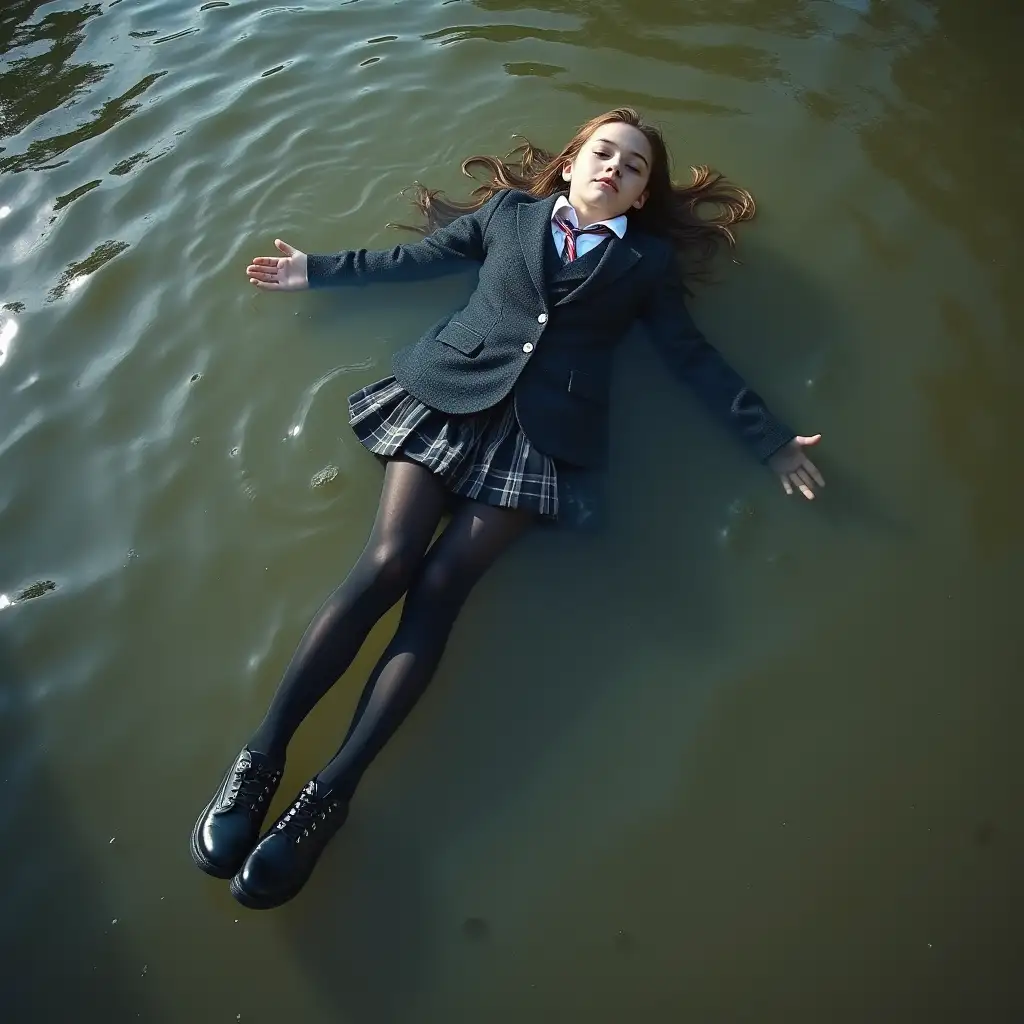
{"x":394,"y":562}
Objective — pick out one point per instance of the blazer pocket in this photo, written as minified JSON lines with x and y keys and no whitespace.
{"x":461,"y":338}
{"x":587,"y":385}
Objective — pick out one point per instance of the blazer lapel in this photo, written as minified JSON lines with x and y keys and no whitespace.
{"x":533,"y":222}
{"x":616,"y":259}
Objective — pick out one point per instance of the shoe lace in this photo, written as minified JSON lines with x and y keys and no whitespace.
{"x":305,"y":814}
{"x":251,"y":783}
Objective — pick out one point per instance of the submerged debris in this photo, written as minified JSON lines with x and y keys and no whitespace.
{"x":324,"y":476}
{"x":36,"y":589}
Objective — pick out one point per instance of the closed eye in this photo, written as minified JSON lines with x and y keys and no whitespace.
{"x":604,"y":154}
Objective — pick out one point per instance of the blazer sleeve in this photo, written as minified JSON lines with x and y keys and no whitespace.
{"x":444,"y":251}
{"x":692,"y":359}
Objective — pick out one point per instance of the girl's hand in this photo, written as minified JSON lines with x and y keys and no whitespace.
{"x":795,"y":469}
{"x":279,"y":273}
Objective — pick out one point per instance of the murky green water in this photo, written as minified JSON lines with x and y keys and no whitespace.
{"x":768,"y":766}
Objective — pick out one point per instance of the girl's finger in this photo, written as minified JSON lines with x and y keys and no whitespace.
{"x":266,"y":261}
{"x":813,"y":470}
{"x":804,"y":489}
{"x":786,"y":485}
{"x":284,"y":247}
{"x":805,"y":478}
{"x":262,"y":275}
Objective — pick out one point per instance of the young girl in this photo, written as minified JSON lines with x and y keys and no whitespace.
{"x":486,"y":409}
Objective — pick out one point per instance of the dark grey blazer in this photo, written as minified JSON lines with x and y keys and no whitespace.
{"x":556,"y":357}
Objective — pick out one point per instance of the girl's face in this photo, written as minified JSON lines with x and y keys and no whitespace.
{"x":610,"y":173}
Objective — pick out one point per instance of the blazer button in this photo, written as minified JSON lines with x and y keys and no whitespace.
{"x":543,"y":318}
{"x":528,"y":347}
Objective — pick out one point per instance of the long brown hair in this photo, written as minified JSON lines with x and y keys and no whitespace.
{"x":697,"y":218}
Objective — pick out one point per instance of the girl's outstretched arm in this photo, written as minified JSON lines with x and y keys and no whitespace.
{"x":444,"y":251}
{"x":691,"y":358}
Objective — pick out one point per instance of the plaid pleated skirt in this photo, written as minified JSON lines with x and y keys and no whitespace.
{"x":484,"y":456}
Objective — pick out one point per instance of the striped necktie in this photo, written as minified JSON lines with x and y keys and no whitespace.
{"x":571,"y":234}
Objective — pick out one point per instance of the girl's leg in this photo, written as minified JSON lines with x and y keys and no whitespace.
{"x":283,"y":860}
{"x":411,"y":504}
{"x":477,"y":535}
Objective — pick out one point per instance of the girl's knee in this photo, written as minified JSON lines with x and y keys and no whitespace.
{"x":443,"y":583}
{"x":391,"y":567}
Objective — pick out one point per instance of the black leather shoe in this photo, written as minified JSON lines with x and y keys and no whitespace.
{"x":283,"y":860}
{"x":229,"y":827}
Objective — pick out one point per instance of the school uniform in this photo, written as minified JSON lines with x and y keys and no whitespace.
{"x":499,"y":395}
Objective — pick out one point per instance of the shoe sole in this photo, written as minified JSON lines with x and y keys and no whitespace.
{"x":257,"y":903}
{"x":200,"y":858}
{"x":251,"y":902}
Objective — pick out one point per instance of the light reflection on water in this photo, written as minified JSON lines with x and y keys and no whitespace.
{"x":8,"y":330}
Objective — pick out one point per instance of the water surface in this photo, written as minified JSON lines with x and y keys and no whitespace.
{"x":740,"y":759}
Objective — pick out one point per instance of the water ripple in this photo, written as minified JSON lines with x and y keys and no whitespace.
{"x":41,"y":151}
{"x":35,"y":85}
{"x":76,"y":274}
{"x":175,"y":35}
